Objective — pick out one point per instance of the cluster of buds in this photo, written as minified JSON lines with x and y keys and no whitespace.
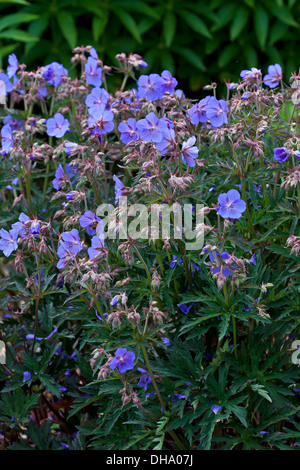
{"x":155,"y":282}
{"x":292,"y":179}
{"x":294,"y":242}
{"x":155,"y":313}
{"x":127,"y":398}
{"x":126,"y":250}
{"x":181,"y":182}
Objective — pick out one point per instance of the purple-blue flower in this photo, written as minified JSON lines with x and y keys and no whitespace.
{"x":8,"y":241}
{"x":114,"y":300}
{"x":189,"y":152}
{"x":118,"y":188}
{"x":93,"y":72}
{"x":197,"y":113}
{"x":89,"y":221}
{"x":281,"y":154}
{"x":7,"y":86}
{"x":13,"y":65}
{"x":96,"y":102}
{"x":123,"y":360}
{"x":7,"y":138}
{"x":26,"y":376}
{"x":150,"y":86}
{"x":184,"y":308}
{"x":216,"y":408}
{"x":53,"y":73}
{"x":169,"y":83}
{"x":274,"y":76}
{"x":167,"y":142}
{"x":151,"y":129}
{"x":71,"y":243}
{"x":145,"y":379}
{"x":166,"y":341}
{"x":62,"y":177}
{"x":71,"y":148}
{"x":103,"y":124}
{"x":97,"y":246}
{"x":217,"y":112}
{"x":174,"y":261}
{"x":129,"y":131}
{"x":231,"y":205}
{"x":57,"y":126}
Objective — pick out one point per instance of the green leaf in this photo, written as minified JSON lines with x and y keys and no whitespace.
{"x":169,"y":28}
{"x":16,"y":18}
{"x":18,"y":35}
{"x":190,"y":56}
{"x":261,"y":25}
{"x":18,"y":2}
{"x":68,"y":27}
{"x":278,"y":31}
{"x":284,"y":15}
{"x":227,"y":54}
{"x":260,"y":389}
{"x":99,"y":24}
{"x":194,"y":22}
{"x":130,"y":24}
{"x":239,"y":23}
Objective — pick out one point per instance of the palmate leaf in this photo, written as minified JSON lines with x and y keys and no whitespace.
{"x":16,"y":406}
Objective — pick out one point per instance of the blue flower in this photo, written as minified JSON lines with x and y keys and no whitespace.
{"x":93,"y":72}
{"x":167,"y":142}
{"x":97,"y":246}
{"x":118,"y":188}
{"x":274,"y":76}
{"x":231,"y":205}
{"x":252,"y":259}
{"x":197,"y":113}
{"x":7,"y":138}
{"x":184,"y":308}
{"x":216,"y":408}
{"x":89,"y":221}
{"x":71,"y":148}
{"x":114,"y":300}
{"x":253,"y":73}
{"x":281,"y":154}
{"x":7,"y":86}
{"x":151,"y":129}
{"x":177,"y":396}
{"x":145,"y":379}
{"x":102,"y":124}
{"x":8,"y":241}
{"x":217,"y":112}
{"x":96,"y":101}
{"x":169,"y":83}
{"x":26,"y":376}
{"x":218,"y":265}
{"x":71,"y":243}
{"x":189,"y":152}
{"x":54,"y":73}
{"x":123,"y":360}
{"x":150,"y":86}
{"x":174,"y":261}
{"x":62,"y":177}
{"x":129,"y":131}
{"x":57,"y":126}
{"x":13,"y":65}
{"x":166,"y":341}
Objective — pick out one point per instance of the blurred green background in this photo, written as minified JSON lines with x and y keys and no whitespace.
{"x":198,"y":41}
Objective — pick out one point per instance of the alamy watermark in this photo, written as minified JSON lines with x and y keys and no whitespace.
{"x":296,"y":354}
{"x":2,"y":353}
{"x":158,"y":221}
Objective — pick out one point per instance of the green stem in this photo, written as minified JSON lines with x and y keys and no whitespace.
{"x":172,"y":433}
{"x":143,"y":262}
